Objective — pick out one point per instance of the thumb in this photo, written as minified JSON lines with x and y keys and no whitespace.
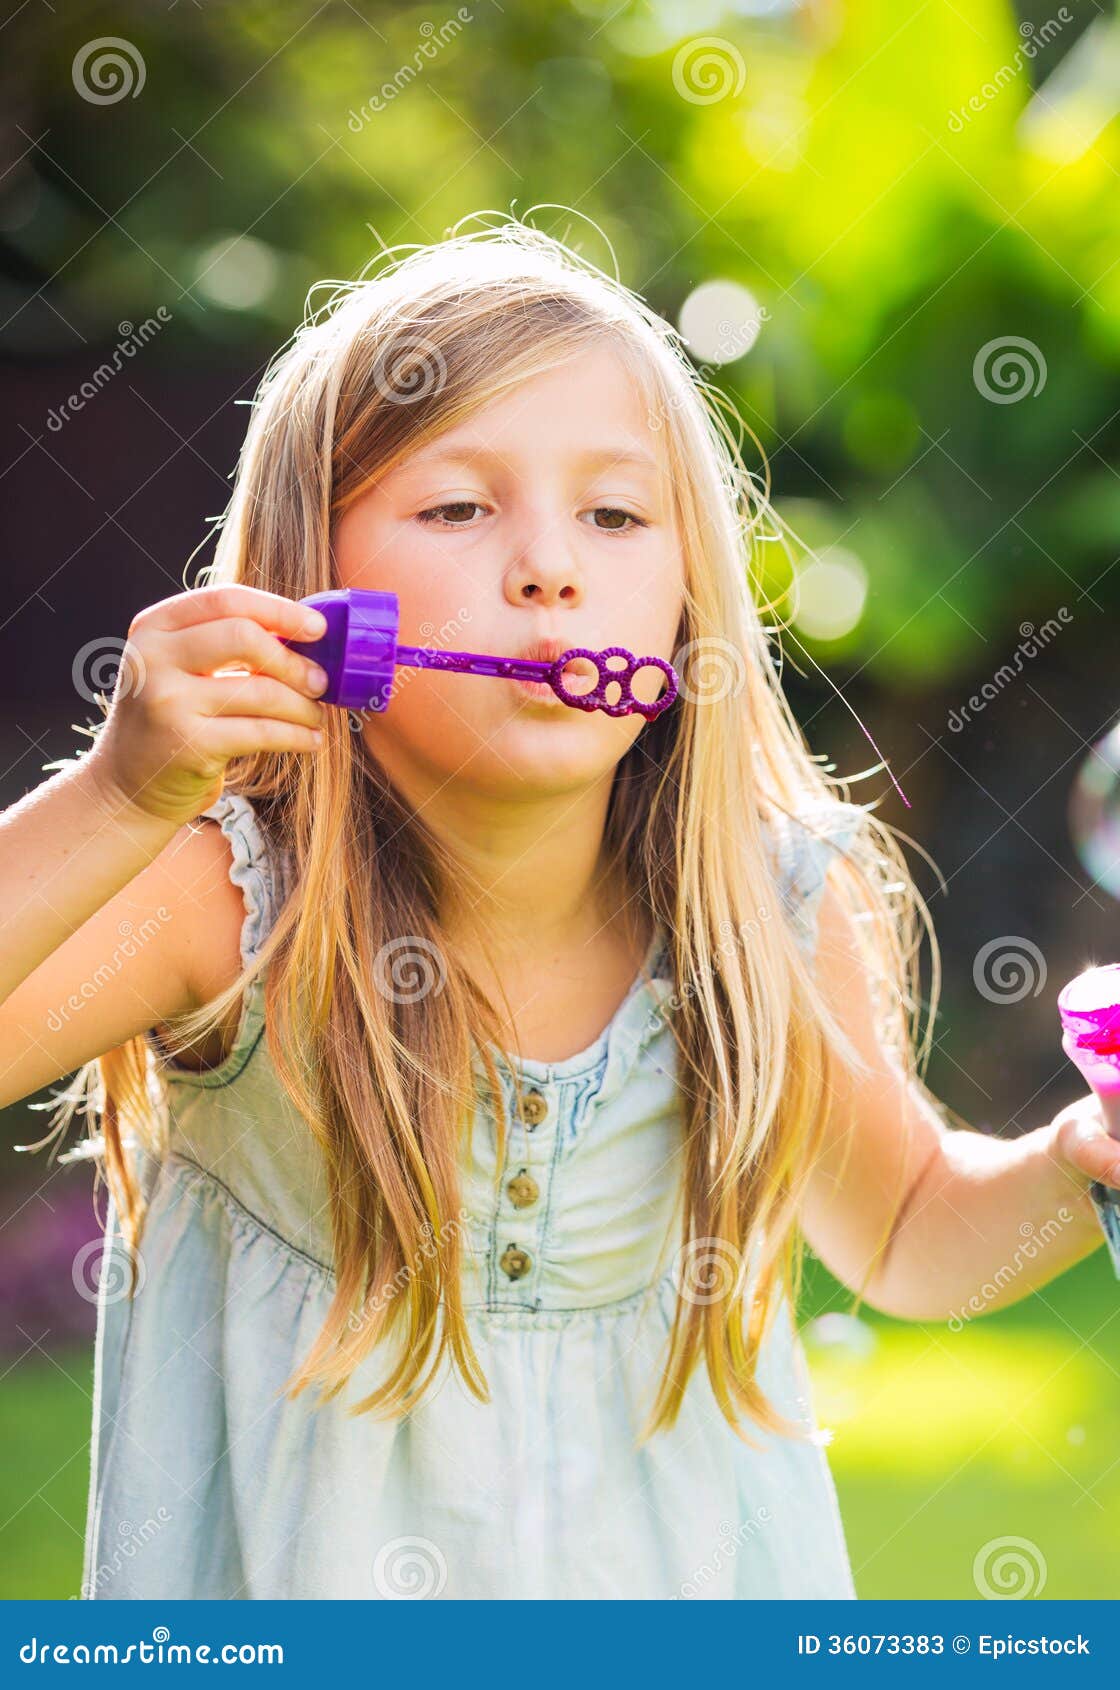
{"x":1084,"y":1143}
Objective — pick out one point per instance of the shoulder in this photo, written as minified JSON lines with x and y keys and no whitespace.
{"x":862,"y":968}
{"x":803,"y":845}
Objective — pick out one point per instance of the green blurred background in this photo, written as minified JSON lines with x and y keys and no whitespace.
{"x":906,"y":216}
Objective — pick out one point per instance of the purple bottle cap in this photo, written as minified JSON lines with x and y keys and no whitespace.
{"x":358,"y":650}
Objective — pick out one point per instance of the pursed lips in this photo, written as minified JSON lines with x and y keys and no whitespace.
{"x":547,"y":650}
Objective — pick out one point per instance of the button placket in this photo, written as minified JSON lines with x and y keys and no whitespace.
{"x":523,"y":1190}
{"x":518,"y":1230}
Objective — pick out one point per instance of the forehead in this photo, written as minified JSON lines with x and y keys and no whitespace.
{"x":590,"y":410}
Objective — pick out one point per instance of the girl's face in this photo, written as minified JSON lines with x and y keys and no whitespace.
{"x":546,"y":516}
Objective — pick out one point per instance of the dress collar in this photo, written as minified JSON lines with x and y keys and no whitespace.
{"x":637,"y":1020}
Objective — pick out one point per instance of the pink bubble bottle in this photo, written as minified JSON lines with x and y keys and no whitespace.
{"x":1089,"y":1007}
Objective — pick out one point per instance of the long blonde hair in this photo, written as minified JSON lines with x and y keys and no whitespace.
{"x":385,"y":1087}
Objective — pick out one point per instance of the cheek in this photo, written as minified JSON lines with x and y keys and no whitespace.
{"x":425,"y":720}
{"x":435,"y":602}
{"x":655,"y":623}
{"x":651,"y":601}
{"x":356,"y":548}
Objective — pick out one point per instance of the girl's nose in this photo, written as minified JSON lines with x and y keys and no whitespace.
{"x":545,"y":577}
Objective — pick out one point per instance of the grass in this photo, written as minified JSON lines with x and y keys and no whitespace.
{"x":45,"y":1412}
{"x":942,"y":1444}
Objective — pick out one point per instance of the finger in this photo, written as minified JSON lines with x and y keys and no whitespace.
{"x":255,"y":695}
{"x":1091,"y":1150}
{"x":234,"y":599}
{"x":1085,"y":1108}
{"x":1102,"y":1162}
{"x":241,"y":736}
{"x":237,"y":640}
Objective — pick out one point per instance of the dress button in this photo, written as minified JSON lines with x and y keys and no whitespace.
{"x":515,"y":1262}
{"x":534,"y":1108}
{"x":523,"y":1190}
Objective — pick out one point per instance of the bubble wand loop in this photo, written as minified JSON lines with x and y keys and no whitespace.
{"x":360,"y":654}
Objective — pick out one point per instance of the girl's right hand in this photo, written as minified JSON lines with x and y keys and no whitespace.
{"x":174,"y":724}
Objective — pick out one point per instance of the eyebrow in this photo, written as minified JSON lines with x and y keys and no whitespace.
{"x":609,"y":455}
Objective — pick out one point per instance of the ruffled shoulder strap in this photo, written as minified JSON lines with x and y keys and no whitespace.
{"x":804,"y":847}
{"x":264,"y":875}
{"x":259,"y":868}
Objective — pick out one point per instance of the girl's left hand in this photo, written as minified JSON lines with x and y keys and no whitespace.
{"x":1082,"y":1139}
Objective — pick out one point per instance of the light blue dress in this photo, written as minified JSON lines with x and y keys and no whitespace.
{"x":206,"y":1482}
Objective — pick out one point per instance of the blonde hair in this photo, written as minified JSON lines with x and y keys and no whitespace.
{"x":385,"y":1087}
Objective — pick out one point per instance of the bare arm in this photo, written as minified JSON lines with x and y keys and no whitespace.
{"x":162,"y":945}
{"x":978,"y":1222}
{"x":65,"y":849}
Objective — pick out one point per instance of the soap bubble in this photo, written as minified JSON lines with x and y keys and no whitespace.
{"x":840,"y":1348}
{"x":841,"y":1335}
{"x":1094,"y":812}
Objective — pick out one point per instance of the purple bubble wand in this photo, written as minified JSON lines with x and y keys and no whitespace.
{"x":360,"y":653}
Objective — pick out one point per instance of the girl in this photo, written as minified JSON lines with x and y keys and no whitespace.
{"x":470,"y":1074}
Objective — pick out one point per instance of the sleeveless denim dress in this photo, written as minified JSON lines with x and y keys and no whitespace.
{"x":207,"y":1483}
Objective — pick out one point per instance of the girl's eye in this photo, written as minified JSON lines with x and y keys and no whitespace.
{"x":458,"y":505}
{"x":616,"y":527}
{"x":457,"y":514}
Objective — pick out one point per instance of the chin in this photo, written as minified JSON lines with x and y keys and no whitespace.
{"x":539,"y":752}
{"x":533,"y":749}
